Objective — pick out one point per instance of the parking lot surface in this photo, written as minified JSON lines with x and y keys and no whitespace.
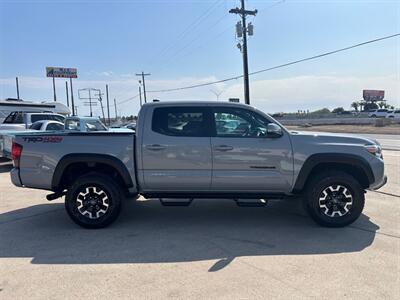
{"x":211,"y":249}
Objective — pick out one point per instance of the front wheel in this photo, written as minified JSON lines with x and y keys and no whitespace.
{"x":93,"y":201}
{"x":334,"y":199}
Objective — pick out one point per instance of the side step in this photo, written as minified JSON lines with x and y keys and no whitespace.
{"x":251,"y":202}
{"x":176,"y":201}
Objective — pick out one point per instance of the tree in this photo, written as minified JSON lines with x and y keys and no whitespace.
{"x":355,"y":105}
{"x":321,"y":111}
{"x":338,"y":110}
{"x":381,"y":104}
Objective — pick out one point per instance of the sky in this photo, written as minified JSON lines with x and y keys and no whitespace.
{"x":189,"y":42}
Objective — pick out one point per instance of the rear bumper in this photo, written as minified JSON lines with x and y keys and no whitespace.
{"x":380,"y":184}
{"x":15,"y":179}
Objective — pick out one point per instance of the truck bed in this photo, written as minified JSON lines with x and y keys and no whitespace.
{"x":44,"y":152}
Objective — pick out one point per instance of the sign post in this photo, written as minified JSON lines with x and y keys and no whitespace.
{"x":58,"y":72}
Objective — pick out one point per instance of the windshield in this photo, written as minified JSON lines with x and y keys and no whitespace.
{"x":95,"y":125}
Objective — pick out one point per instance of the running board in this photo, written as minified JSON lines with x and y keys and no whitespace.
{"x":251,"y":202}
{"x":175,"y":202}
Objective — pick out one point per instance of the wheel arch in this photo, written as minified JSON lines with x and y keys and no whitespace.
{"x":85,"y":163}
{"x":352,"y":164}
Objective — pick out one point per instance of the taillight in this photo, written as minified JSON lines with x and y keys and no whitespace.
{"x":16,"y":151}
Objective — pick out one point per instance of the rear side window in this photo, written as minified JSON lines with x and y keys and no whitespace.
{"x":14,"y":118}
{"x":36,"y":126}
{"x":55,"y":126}
{"x":181,"y":121}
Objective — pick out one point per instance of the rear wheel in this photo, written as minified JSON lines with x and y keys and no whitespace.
{"x":334,"y":199}
{"x":93,"y":201}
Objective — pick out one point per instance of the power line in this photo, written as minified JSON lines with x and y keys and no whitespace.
{"x":128,"y":99}
{"x":184,"y":33}
{"x":278,"y":66}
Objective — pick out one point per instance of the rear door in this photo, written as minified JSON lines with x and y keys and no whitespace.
{"x":245,"y":158}
{"x":176,"y":149}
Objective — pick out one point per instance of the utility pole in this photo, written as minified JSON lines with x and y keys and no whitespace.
{"x":90,"y":104}
{"x":115,"y":106}
{"x":140,"y":95}
{"x":144,"y":84}
{"x":97,"y":96}
{"x":66,"y":90}
{"x":54,"y":89}
{"x":108,"y":107}
{"x":243,"y":13}
{"x":72,"y":99}
{"x":16,"y":81}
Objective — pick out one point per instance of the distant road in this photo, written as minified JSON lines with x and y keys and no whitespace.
{"x":388,"y":141}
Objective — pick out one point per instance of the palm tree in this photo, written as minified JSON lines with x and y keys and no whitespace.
{"x":355,"y":105}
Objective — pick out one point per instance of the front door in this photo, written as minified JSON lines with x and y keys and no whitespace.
{"x":245,"y":158}
{"x":176,"y":150}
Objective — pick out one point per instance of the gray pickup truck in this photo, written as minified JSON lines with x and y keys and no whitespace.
{"x":188,"y":150}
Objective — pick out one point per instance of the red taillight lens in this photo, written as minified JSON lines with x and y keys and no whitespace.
{"x":16,"y":151}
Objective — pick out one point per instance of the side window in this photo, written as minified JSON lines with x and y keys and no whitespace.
{"x":55,"y":126}
{"x":72,"y":125}
{"x":180,"y":121}
{"x":36,"y":126}
{"x":10,"y":118}
{"x":18,"y":119}
{"x":239,"y":123}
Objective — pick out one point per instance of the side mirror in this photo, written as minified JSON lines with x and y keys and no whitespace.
{"x":274,"y":130}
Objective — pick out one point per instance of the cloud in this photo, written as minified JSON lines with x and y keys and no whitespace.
{"x":270,"y":95}
{"x":107,"y":73}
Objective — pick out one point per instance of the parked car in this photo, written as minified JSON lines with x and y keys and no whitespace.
{"x":23,"y":120}
{"x":6,"y":136}
{"x":395,"y":114}
{"x":89,"y":124}
{"x":378,"y":113}
{"x":178,"y":152}
{"x":46,"y":125}
{"x":131,"y":126}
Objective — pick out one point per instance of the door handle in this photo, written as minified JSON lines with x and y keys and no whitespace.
{"x":155,"y":147}
{"x":223,"y":148}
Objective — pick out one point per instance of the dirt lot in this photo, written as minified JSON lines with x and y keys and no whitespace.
{"x":212,"y":249}
{"x":392,"y":129}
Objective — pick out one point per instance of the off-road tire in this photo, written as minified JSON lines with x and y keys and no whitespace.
{"x":317,"y":189}
{"x":108,"y":195}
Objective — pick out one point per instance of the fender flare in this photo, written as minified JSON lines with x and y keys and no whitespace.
{"x":331,"y":158}
{"x":110,"y":160}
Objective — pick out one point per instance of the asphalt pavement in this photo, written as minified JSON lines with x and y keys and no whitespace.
{"x":388,"y":141}
{"x":212,"y":249}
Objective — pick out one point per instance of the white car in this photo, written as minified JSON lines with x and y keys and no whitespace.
{"x":378,"y":113}
{"x":394,"y":114}
{"x":46,"y":125}
{"x":89,"y":124}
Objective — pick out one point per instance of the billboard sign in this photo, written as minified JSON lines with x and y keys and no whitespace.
{"x":61,"y":72}
{"x":373,"y":95}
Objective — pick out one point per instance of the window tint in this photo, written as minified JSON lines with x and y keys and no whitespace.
{"x":180,"y":121}
{"x":72,"y":125}
{"x":55,"y":126}
{"x":95,"y":126}
{"x":239,"y":123}
{"x":36,"y":126}
{"x":18,"y":119}
{"x":10,"y":118}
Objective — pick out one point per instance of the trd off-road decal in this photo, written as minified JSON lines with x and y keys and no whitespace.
{"x":43,"y":139}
